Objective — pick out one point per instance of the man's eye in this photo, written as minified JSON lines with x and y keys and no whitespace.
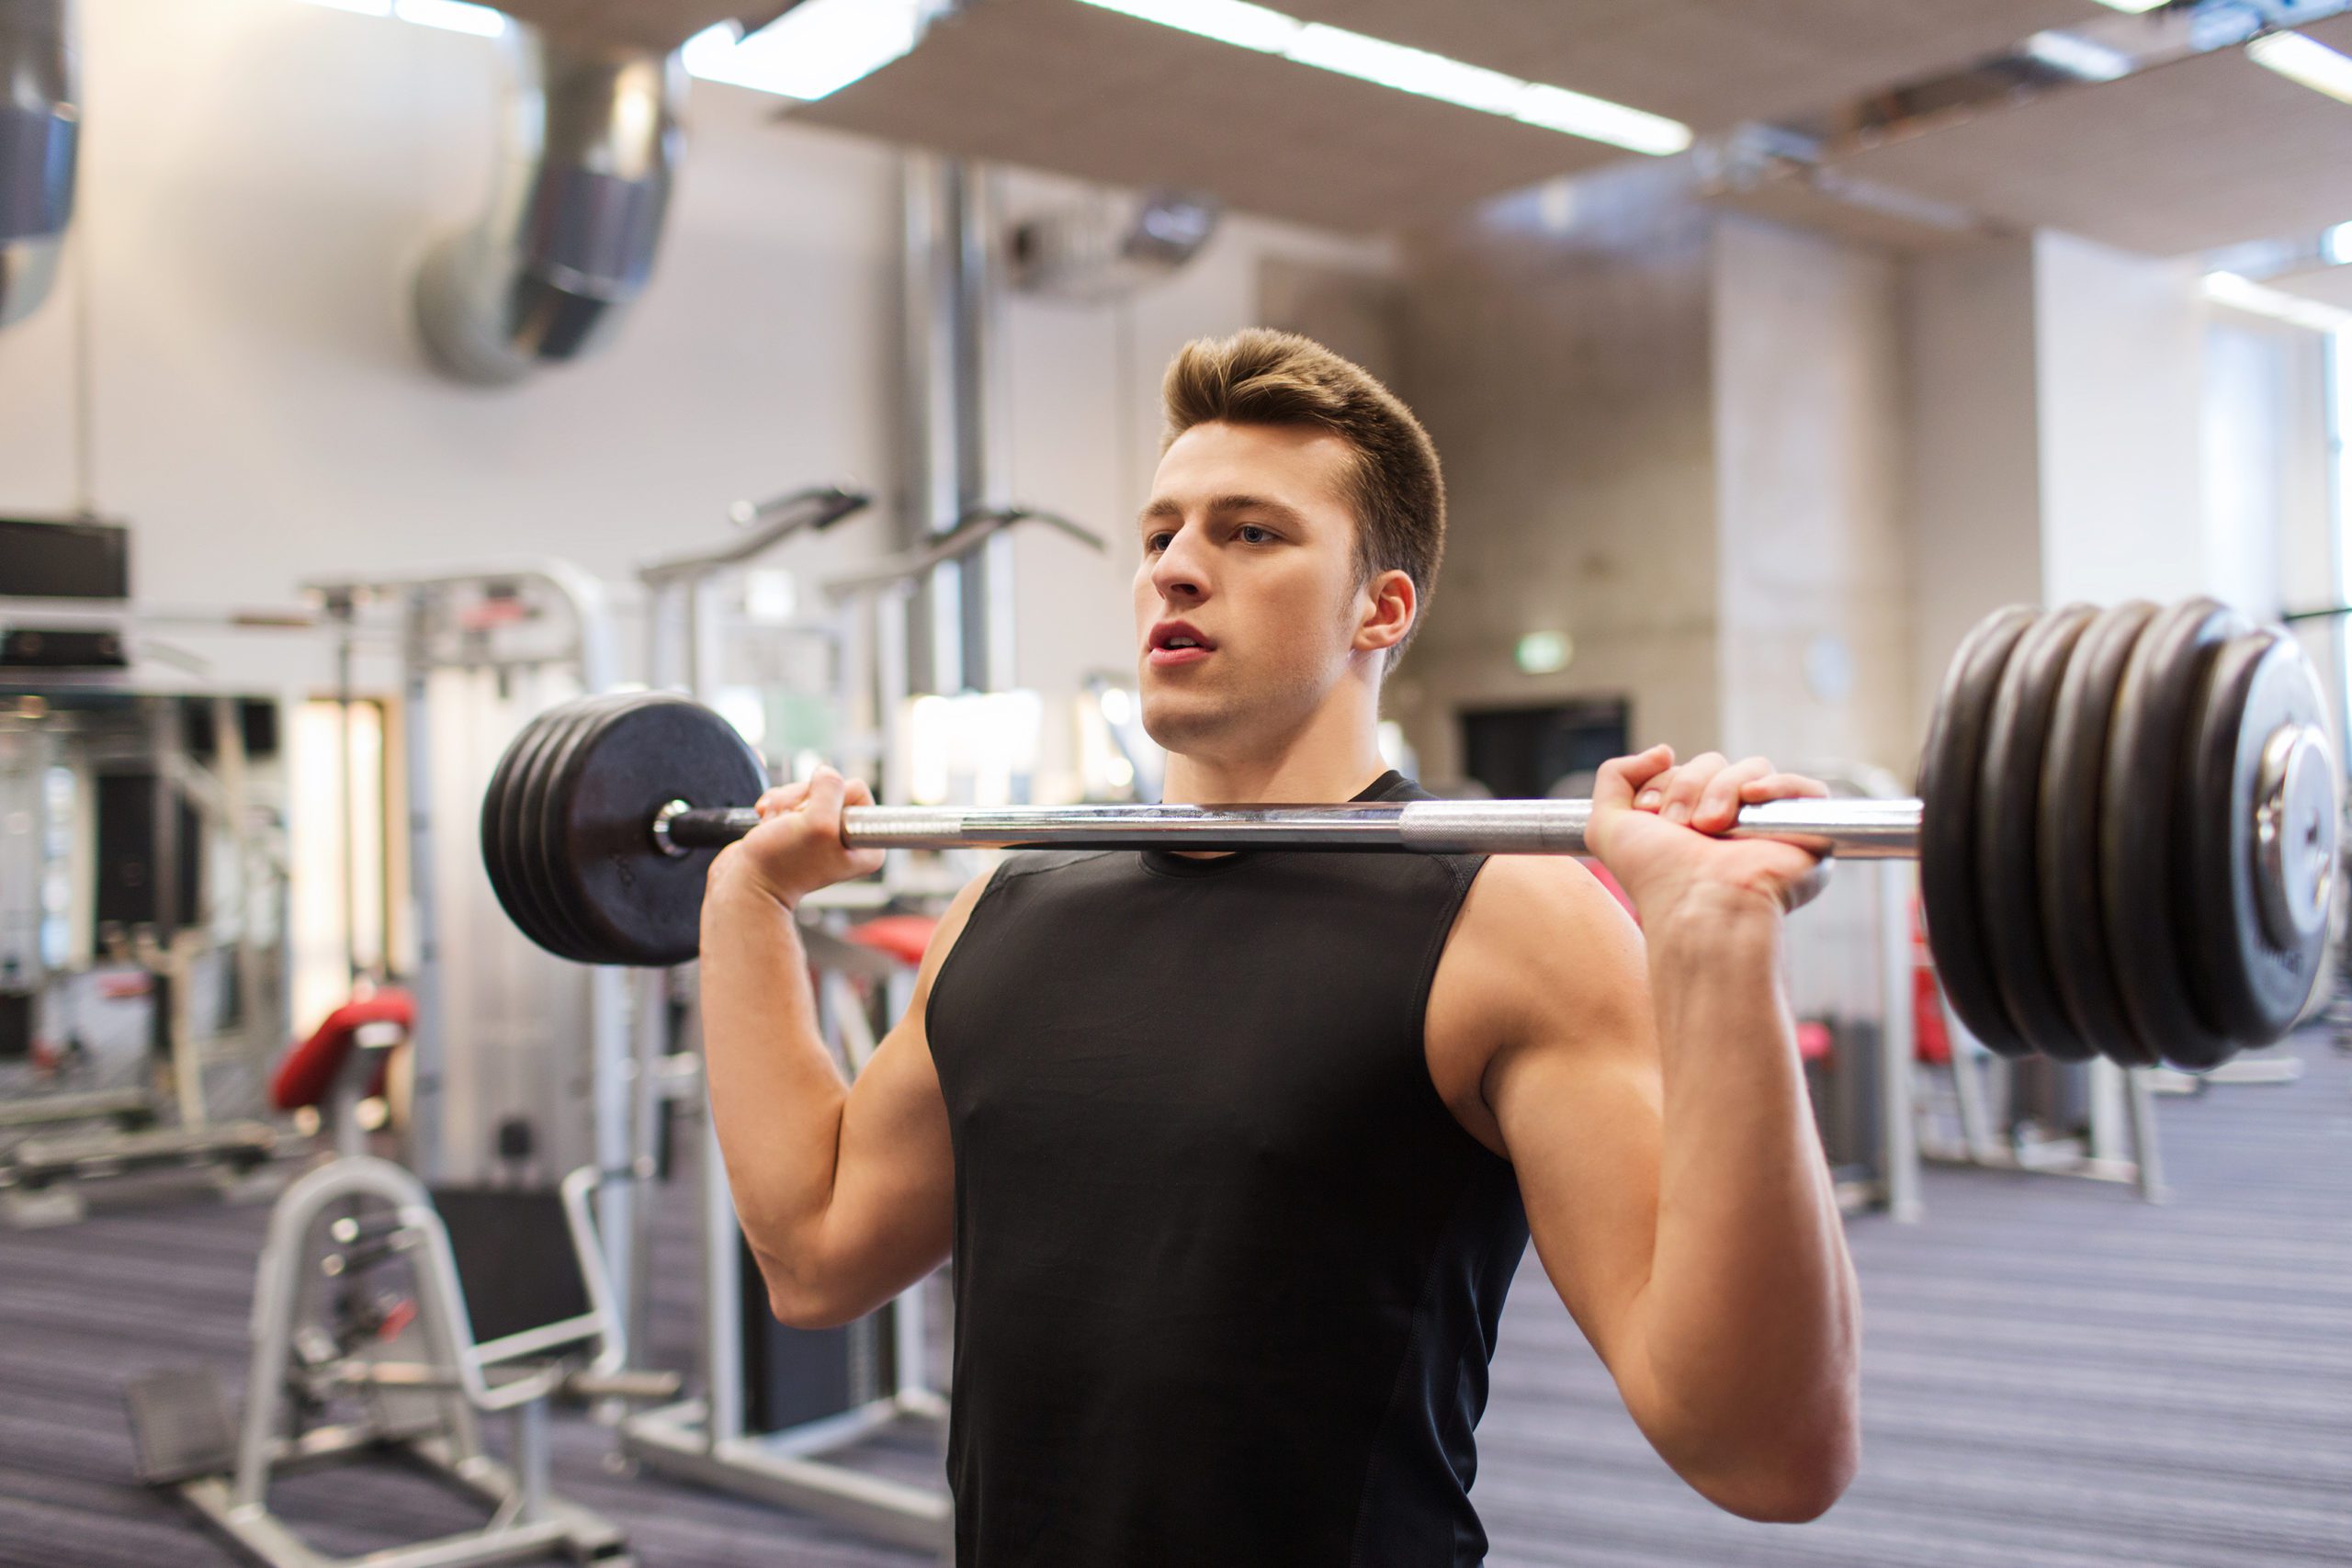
{"x":1154,"y":541}
{"x":1251,"y":534}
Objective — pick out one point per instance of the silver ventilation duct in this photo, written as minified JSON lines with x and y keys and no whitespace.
{"x":575,"y":217}
{"x":40,"y":124}
{"x":1108,"y":248}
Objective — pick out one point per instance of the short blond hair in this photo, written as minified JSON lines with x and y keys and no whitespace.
{"x":1262,"y":377}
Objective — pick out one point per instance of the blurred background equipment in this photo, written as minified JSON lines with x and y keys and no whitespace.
{"x":142,"y":895}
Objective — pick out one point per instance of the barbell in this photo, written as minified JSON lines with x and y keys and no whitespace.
{"x":2126,"y":832}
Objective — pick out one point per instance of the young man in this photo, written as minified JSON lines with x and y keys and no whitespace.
{"x":1237,"y":1153}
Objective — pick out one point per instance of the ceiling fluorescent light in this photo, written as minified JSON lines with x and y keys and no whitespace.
{"x":2335,"y":245}
{"x":1415,"y":70}
{"x":817,"y":46}
{"x":2078,"y":56}
{"x":2244,"y":294}
{"x":1597,"y":120}
{"x":454,"y":15}
{"x":1235,"y":22}
{"x":2304,"y":60}
{"x":2134,"y":6}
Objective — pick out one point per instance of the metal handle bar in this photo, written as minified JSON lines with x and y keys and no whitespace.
{"x":1853,"y":828}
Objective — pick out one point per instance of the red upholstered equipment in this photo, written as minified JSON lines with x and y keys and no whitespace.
{"x":309,"y":1069}
{"x":904,"y":937}
{"x":1932,"y":1040}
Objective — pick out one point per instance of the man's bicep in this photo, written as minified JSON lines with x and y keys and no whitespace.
{"x":1577,"y":1095}
{"x":894,"y":1182}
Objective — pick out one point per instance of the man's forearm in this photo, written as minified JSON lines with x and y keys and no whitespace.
{"x":775,"y":1093}
{"x":1749,"y":1315}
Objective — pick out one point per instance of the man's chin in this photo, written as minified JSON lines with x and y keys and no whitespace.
{"x":1186,"y":723}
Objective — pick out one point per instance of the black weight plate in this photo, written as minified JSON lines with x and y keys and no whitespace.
{"x":2008,"y":800}
{"x":638,"y":905}
{"x":557,"y":873}
{"x":530,"y":908}
{"x":2248,"y":984}
{"x":2142,"y":846}
{"x":493,"y":843}
{"x":1948,"y":790}
{"x":543,"y":868}
{"x":531,"y":844}
{"x":2074,"y":764}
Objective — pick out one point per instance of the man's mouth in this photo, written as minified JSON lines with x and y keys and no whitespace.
{"x":1175,"y":643}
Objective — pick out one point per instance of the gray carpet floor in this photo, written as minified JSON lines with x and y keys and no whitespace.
{"x":2055,"y":1376}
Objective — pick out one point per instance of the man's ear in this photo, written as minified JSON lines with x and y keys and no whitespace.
{"x":1390,"y":605}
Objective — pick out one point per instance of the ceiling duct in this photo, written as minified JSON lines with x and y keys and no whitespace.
{"x":575,"y":217}
{"x":1106,"y":249}
{"x":41,"y":122}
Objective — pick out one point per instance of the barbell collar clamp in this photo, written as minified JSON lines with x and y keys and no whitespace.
{"x":2294,"y":805}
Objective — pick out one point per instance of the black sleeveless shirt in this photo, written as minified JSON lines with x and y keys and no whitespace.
{"x":1227,"y":1272}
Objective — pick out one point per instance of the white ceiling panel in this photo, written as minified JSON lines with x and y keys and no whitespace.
{"x":2208,"y":151}
{"x":1710,"y":63}
{"x":641,"y":24}
{"x":1054,"y":85}
{"x":2328,"y":284}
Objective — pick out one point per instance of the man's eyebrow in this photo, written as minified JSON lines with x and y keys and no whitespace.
{"x":1281,"y":512}
{"x":1164,"y":507}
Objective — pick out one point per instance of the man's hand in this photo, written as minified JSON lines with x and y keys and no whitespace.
{"x":797,"y":848}
{"x":1653,"y":826}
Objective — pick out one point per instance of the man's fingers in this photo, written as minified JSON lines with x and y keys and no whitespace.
{"x":1686,"y":784}
{"x":782,"y":798}
{"x":1719,"y":802}
{"x":1619,"y":778}
{"x":1783,"y":787}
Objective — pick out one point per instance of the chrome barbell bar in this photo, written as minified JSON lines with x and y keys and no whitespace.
{"x":1849,"y":829}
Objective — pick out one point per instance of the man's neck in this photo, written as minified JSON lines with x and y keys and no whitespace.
{"x":1299,"y":773}
{"x":1333,"y":756}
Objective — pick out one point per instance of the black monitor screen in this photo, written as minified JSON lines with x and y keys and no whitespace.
{"x":63,"y":560}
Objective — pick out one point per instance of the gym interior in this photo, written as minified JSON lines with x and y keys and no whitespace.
{"x":455,"y":459}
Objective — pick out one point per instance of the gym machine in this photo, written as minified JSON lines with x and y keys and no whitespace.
{"x":511,"y":1059}
{"x":2127,"y":835}
{"x":386,"y":1326}
{"x":775,"y":1405}
{"x":142,"y":890}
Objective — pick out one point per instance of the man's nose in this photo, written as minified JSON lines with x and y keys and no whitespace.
{"x":1181,"y":572}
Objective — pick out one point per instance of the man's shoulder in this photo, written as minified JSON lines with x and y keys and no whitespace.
{"x":1516,"y":898}
{"x":1538,"y":935}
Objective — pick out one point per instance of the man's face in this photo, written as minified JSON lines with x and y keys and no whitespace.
{"x":1250,"y":542}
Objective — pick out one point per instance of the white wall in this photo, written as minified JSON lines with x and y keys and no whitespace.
{"x":1556,"y":345}
{"x":1973,"y":478}
{"x":2266,"y":467}
{"x":2118,"y":346}
{"x":1815,"y":589}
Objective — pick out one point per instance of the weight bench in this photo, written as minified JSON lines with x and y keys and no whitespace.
{"x":40,"y":1176}
{"x":313,"y":1074}
{"x":415,"y":1371}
